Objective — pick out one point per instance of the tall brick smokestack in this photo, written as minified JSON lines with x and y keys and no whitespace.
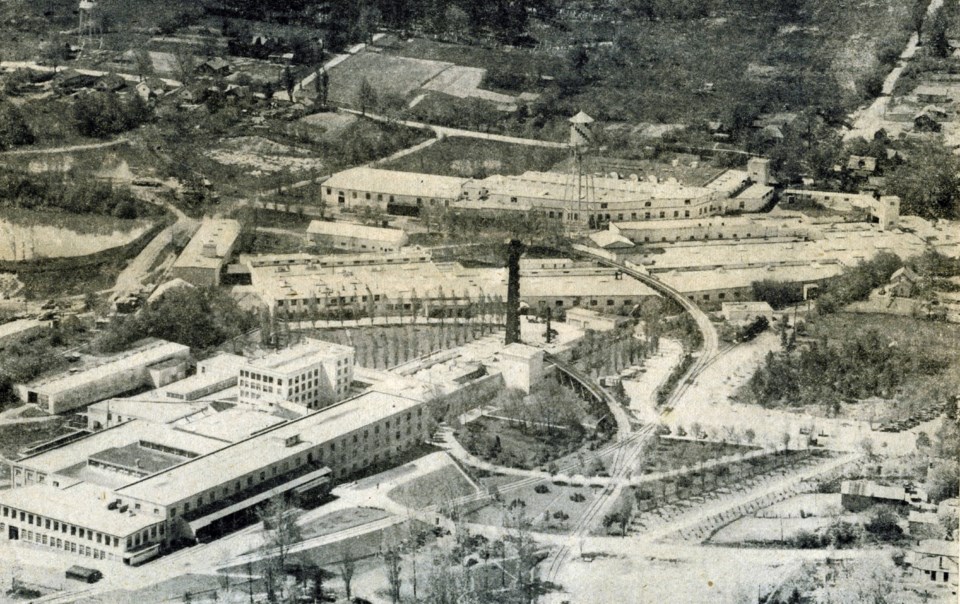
{"x":514,"y":251}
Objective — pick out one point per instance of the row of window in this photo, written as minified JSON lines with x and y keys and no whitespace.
{"x":593,"y":302}
{"x":67,"y":546}
{"x":62,"y":527}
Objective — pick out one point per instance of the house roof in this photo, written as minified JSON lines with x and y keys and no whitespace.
{"x":862,"y":162}
{"x":581,"y":118}
{"x":904,"y":272}
{"x":610,"y":239}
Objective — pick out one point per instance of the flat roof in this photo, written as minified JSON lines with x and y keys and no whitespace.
{"x":846,"y":243}
{"x":410,"y":184}
{"x":557,"y":185}
{"x":427,"y":279}
{"x":709,"y":280}
{"x":761,"y":220}
{"x":247,"y":456}
{"x":82,"y":504}
{"x":299,"y":355}
{"x":231,"y":425}
{"x":157,"y":411}
{"x":137,"y":457}
{"x":142,"y":356}
{"x":51,"y":462}
{"x":754,"y":191}
{"x":356,"y":231}
{"x":221,"y":232}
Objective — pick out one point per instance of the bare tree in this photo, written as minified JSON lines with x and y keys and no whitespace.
{"x":280,"y":523}
{"x":392,"y":559}
{"x":347,"y":565}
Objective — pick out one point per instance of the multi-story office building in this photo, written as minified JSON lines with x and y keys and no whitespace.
{"x":313,"y":374}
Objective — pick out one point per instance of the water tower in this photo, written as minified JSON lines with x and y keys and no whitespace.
{"x":581,"y":186}
{"x":89,"y":23}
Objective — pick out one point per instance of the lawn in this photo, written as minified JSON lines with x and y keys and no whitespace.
{"x":434,"y":488}
{"x":476,"y":158}
{"x":341,"y":520}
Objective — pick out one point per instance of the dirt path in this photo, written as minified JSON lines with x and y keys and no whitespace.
{"x":868,"y":120}
{"x":442,"y":131}
{"x":69,"y":149}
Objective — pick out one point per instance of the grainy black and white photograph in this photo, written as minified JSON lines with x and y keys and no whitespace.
{"x":479,"y":301}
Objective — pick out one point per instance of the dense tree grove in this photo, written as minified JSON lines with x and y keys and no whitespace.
{"x":78,"y":195}
{"x":857,"y":283}
{"x":14,"y":129}
{"x":103,"y":114}
{"x":828,"y":374}
{"x":200,"y":318}
{"x":928,"y":182}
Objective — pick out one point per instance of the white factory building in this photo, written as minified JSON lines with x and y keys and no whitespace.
{"x":311,"y":374}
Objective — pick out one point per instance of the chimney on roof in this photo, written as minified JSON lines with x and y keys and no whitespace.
{"x":209,"y":250}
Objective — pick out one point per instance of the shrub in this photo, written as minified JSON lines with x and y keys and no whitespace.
{"x":884,"y":525}
{"x":578,"y":497}
{"x":541,"y":489}
{"x":805,"y":540}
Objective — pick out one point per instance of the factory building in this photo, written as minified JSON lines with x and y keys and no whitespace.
{"x":312,"y":374}
{"x":153,"y":363}
{"x":208,"y":251}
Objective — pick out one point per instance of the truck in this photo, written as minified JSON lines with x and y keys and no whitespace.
{"x":82,"y":573}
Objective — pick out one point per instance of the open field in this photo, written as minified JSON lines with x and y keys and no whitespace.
{"x":385,"y":73}
{"x":476,"y":158}
{"x":551,"y":510}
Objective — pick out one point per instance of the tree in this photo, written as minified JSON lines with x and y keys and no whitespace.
{"x":56,"y":51}
{"x":939,"y":42}
{"x":943,"y":479}
{"x":347,"y":565}
{"x":884,"y":524}
{"x":280,"y":523}
{"x":918,"y":14}
{"x":366,"y":96}
{"x":457,"y":22}
{"x":392,"y":559}
{"x":14,"y":129}
{"x":928,"y":182}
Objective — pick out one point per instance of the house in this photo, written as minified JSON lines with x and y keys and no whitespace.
{"x":861,"y":165}
{"x":858,"y":495}
{"x":936,"y":561}
{"x":585,"y":318}
{"x":610,"y":240}
{"x":214,"y":67}
{"x":110,"y":83}
{"x":71,"y":80}
{"x":150,"y":88}
{"x":208,"y":251}
{"x":904,"y":283}
{"x":738,"y":312}
{"x":927,"y":94}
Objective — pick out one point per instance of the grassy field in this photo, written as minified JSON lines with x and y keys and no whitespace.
{"x":434,"y":488}
{"x":474,"y":158}
{"x":341,"y":520}
{"x":562,"y":500}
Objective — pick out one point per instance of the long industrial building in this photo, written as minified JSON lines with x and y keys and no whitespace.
{"x":134,"y":490}
{"x":434,"y":289}
{"x":208,"y":251}
{"x":153,"y":363}
{"x":588,"y":201}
